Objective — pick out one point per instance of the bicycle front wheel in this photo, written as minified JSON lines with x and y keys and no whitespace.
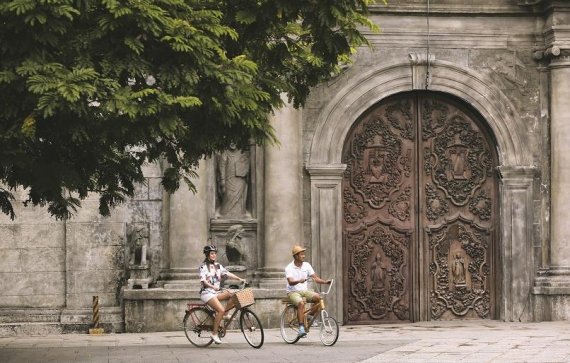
{"x":290,"y":325}
{"x":329,"y":331}
{"x":251,"y":328}
{"x":198,"y":323}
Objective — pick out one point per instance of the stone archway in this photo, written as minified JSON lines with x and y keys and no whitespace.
{"x":326,"y":170}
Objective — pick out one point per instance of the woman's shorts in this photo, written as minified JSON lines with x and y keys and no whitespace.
{"x":207,"y":295}
{"x":296,"y":297}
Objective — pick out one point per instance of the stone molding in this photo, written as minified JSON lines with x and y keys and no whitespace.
{"x":368,"y":88}
{"x":554,"y":280}
{"x":451,"y":40}
{"x":464,"y":7}
{"x":421,"y":77}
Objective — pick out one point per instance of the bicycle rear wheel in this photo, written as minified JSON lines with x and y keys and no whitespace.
{"x":290,"y":325}
{"x":329,"y":331}
{"x":198,"y":323}
{"x":251,"y":328}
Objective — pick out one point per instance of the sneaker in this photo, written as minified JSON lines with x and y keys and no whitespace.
{"x":216,"y":338}
{"x":227,"y":316}
{"x":302,"y":332}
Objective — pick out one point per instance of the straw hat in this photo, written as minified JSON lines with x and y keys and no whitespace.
{"x":296,"y":249}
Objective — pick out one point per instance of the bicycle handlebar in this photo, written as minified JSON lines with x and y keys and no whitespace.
{"x":242,"y":285}
{"x":329,"y":289}
{"x":322,"y":292}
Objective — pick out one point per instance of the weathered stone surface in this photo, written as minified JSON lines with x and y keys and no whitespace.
{"x":163,"y":310}
{"x":45,"y":289}
{"x":31,"y":235}
{"x":155,"y":189}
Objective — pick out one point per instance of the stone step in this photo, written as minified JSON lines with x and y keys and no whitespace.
{"x":183,"y":285}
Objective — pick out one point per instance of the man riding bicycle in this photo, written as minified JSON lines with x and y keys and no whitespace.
{"x":297,"y":274}
{"x":211,"y":274}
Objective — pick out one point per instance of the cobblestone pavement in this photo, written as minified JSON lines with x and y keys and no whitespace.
{"x":489,"y":341}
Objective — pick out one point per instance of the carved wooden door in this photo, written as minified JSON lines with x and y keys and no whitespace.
{"x":419,"y":213}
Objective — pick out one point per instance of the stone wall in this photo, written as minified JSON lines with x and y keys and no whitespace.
{"x":50,"y":270}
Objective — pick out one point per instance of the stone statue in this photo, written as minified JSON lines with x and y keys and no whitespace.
{"x":377,"y":270}
{"x":139,"y":269}
{"x":458,"y":271}
{"x":137,"y":240}
{"x":233,"y":172}
{"x":235,"y":249}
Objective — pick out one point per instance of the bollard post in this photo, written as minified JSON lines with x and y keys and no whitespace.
{"x":95,"y":330}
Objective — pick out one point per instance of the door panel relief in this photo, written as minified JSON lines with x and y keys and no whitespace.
{"x":419,"y":207}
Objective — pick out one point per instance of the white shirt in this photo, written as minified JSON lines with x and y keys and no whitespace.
{"x":298,"y":273}
{"x":212,"y":275}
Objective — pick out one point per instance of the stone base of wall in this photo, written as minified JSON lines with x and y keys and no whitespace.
{"x":551,"y":294}
{"x":57,"y":321}
{"x":150,"y":310}
{"x":551,"y":307}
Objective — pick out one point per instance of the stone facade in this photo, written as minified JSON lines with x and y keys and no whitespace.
{"x":508,"y":60}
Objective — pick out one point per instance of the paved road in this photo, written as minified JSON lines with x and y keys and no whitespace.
{"x":421,"y":342}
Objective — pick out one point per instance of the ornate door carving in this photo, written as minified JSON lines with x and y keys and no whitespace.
{"x":419,"y":211}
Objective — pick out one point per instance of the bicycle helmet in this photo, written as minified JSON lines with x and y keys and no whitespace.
{"x":209,"y":249}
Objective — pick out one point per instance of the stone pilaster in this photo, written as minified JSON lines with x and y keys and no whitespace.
{"x":188,"y":229}
{"x":516,"y":257}
{"x":282,"y":197}
{"x":326,"y":228}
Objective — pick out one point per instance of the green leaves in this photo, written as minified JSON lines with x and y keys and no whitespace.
{"x":90,"y":90}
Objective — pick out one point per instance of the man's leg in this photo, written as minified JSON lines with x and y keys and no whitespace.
{"x":296,"y":299}
{"x":301,"y":312}
{"x":315,"y":300}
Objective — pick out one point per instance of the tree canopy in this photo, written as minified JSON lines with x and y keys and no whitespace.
{"x":90,"y":90}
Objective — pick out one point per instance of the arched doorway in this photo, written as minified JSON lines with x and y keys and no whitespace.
{"x":420,"y":212}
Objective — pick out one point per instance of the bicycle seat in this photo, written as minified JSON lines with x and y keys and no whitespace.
{"x":285,"y":300}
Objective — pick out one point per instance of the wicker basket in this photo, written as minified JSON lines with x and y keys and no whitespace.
{"x":243,"y":298}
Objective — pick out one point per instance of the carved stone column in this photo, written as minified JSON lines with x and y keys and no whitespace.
{"x":282,"y":197}
{"x":326,"y":228}
{"x":552,"y":285}
{"x":555,"y":279}
{"x":560,"y":153}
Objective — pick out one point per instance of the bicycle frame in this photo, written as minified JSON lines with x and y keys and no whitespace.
{"x":328,"y":326}
{"x":323,"y":312}
{"x":224,"y":323}
{"x":199,"y":319}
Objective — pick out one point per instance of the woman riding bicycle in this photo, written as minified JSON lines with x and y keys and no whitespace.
{"x":211,"y":274}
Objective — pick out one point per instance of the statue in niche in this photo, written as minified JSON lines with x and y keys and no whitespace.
{"x":376,"y":166}
{"x":137,"y":239}
{"x":458,"y":271}
{"x":139,"y":269}
{"x":235,"y":249}
{"x":458,"y":158}
{"x":377,"y":273}
{"x":233,"y":172}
